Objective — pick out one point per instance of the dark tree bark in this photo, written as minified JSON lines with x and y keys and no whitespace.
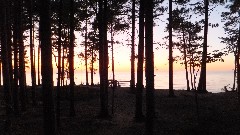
{"x":132,"y":83}
{"x":4,"y":54}
{"x":46,"y":67}
{"x":171,"y":92}
{"x":15,"y":71}
{"x":235,"y":70}
{"x":86,"y":58}
{"x":202,"y":80}
{"x":9,"y":41}
{"x":92,"y":61}
{"x":103,"y":57}
{"x":191,"y":73}
{"x":139,"y":89}
{"x":105,"y":52}
{"x":33,"y":72}
{"x":185,"y":58}
{"x":63,"y":57}
{"x":59,"y":61}
{"x":19,"y":32}
{"x":238,"y":65}
{"x":0,"y":72}
{"x":39,"y":51}
{"x":71,"y":60}
{"x":113,"y":70}
{"x":150,"y":102}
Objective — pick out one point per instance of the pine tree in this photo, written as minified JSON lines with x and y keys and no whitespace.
{"x":46,"y":68}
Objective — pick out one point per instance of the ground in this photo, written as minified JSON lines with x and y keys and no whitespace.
{"x":219,"y":113}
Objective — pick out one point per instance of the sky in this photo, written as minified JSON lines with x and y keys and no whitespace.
{"x":122,"y":51}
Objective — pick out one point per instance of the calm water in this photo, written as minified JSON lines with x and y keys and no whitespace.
{"x":216,"y":80}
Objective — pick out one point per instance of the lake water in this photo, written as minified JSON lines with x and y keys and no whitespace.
{"x":216,"y":80}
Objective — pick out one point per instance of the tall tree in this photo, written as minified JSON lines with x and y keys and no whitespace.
{"x":33,"y":71}
{"x":59,"y":62}
{"x":9,"y":41}
{"x":205,"y":58}
{"x":1,"y":72}
{"x":231,"y":28}
{"x":71,"y":60}
{"x":171,"y":92}
{"x":38,"y":65}
{"x":22,"y":96}
{"x":15,"y":71}
{"x":46,"y":67}
{"x":150,"y":102}
{"x":202,"y":80}
{"x":132,"y":84}
{"x":103,"y":57}
{"x":139,"y":89}
{"x":4,"y":54}
{"x":86,"y":47}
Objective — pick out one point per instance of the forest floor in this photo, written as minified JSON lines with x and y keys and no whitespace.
{"x":219,"y":113}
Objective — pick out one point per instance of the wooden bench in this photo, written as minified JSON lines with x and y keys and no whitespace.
{"x":114,"y":83}
{"x":117,"y":83}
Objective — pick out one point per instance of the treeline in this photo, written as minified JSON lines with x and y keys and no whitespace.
{"x":47,"y":27}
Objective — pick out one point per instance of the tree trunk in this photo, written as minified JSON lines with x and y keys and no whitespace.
{"x":59,"y":62}
{"x":191,"y":73}
{"x":39,"y":49}
{"x":19,"y":32}
{"x":92,"y":69}
{"x":202,"y":80}
{"x":194,"y":76}
{"x":238,"y":65}
{"x":132,"y":83}
{"x":113,"y":70}
{"x":33,"y":75}
{"x":185,"y":58}
{"x":63,"y":57}
{"x":46,"y":67}
{"x":15,"y":71}
{"x":139,"y":90}
{"x":1,"y":73}
{"x":105,"y":52}
{"x":86,"y":58}
{"x":103,"y":58}
{"x":150,"y":102}
{"x":4,"y":54}
{"x":9,"y":41}
{"x":171,"y":92}
{"x":71,"y":61}
{"x":235,"y":70}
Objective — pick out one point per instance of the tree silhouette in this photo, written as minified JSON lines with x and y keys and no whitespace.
{"x":202,"y":80}
{"x":139,"y":88}
{"x":103,"y":57}
{"x":231,"y":27}
{"x":5,"y":64}
{"x":171,"y":92}
{"x":33,"y":71}
{"x":150,"y":103}
{"x":71,"y":60}
{"x":59,"y":62}
{"x":46,"y":67}
{"x":15,"y":71}
{"x":132,"y":83}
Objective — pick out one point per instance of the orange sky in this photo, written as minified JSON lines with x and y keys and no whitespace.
{"x":122,"y":53}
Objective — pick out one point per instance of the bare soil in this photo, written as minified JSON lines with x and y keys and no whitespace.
{"x":219,"y":113}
